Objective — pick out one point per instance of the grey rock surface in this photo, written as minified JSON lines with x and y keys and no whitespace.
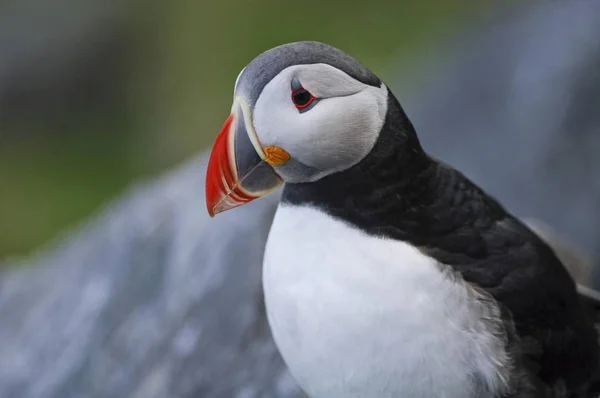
{"x":151,"y":298}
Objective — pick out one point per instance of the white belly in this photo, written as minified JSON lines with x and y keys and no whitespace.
{"x":359,"y":316}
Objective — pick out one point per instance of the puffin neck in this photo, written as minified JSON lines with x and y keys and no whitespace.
{"x":396,"y":177}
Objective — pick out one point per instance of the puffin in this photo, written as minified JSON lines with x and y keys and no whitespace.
{"x":386,"y":272}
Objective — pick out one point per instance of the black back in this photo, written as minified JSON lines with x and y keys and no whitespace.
{"x":398,"y":191}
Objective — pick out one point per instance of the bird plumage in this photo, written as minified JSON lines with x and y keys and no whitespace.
{"x":387,"y":272}
{"x":400,"y":193}
{"x":359,"y":316}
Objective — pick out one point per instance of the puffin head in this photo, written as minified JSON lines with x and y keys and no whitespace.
{"x":301,"y":111}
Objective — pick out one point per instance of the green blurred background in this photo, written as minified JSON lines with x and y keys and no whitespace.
{"x":149,"y":84}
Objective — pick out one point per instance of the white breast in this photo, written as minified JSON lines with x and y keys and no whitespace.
{"x":359,"y":316}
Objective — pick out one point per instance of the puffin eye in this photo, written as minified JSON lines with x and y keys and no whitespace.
{"x":301,"y":98}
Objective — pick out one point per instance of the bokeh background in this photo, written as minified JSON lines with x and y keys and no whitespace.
{"x":96,"y":95}
{"x":114,"y":282}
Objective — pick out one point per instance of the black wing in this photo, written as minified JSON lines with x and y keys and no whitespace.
{"x":500,"y":254}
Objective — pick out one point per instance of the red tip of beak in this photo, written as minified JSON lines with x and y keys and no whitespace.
{"x":222,"y":191}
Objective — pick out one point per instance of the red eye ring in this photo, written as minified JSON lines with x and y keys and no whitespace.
{"x":302,"y":98}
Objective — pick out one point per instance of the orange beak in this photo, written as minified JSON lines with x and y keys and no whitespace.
{"x":239,"y":169}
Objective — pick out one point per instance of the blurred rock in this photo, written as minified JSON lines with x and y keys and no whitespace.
{"x":151,"y":298}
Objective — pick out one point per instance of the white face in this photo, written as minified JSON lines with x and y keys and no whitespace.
{"x":332,"y":134}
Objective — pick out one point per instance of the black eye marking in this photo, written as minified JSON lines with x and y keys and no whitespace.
{"x":302,"y":99}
